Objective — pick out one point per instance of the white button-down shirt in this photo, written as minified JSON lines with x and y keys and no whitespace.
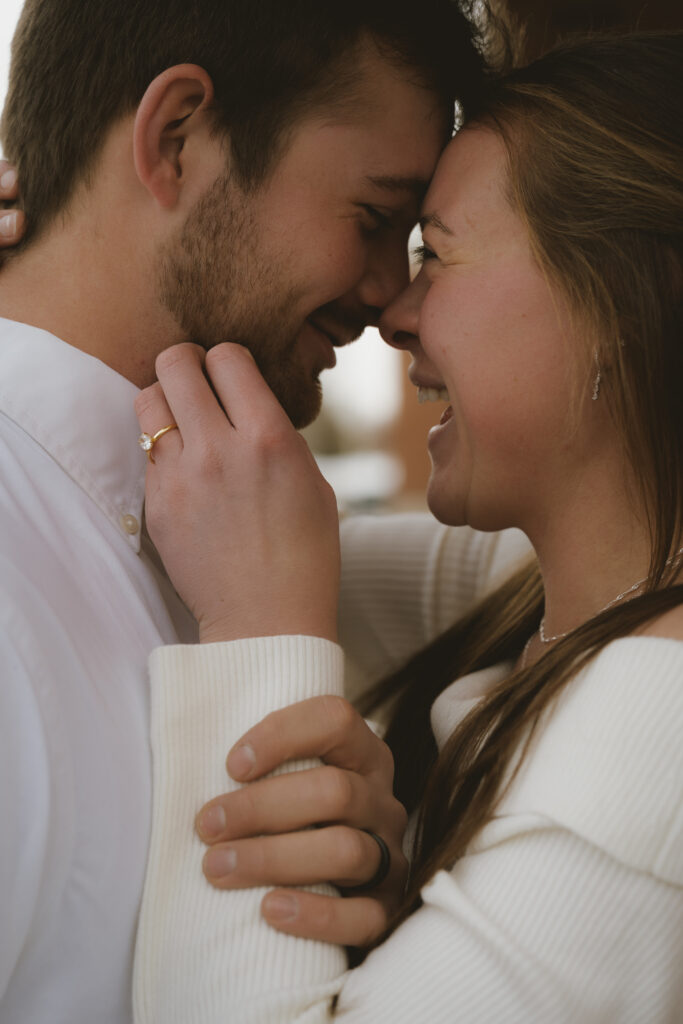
{"x":82,"y":604}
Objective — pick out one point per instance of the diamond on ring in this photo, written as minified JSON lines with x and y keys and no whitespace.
{"x":147,"y":441}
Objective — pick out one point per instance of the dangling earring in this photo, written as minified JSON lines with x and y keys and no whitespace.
{"x":596,"y":382}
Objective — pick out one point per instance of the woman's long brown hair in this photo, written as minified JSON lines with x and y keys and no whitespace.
{"x":595,"y":158}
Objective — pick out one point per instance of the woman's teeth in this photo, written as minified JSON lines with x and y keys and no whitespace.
{"x":432,"y":395}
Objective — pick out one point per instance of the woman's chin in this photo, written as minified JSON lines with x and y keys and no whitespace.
{"x":444,"y":506}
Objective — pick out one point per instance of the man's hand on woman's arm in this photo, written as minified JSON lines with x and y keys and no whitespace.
{"x":261,"y":834}
{"x":12,"y":222}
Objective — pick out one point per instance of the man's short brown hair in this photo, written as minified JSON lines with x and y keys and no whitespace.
{"x":78,"y":67}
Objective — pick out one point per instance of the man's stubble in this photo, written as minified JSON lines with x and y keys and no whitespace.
{"x":220,"y":283}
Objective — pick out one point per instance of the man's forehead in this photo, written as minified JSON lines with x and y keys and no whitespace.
{"x":414,"y":187}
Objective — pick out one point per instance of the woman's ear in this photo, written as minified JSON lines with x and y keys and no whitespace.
{"x":170,"y":110}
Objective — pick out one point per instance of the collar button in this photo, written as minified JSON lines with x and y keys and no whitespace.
{"x":130,"y":524}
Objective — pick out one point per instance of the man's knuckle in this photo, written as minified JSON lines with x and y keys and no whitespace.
{"x":268,"y":733}
{"x":398,"y":816}
{"x":243,"y":809}
{"x":323,"y":913}
{"x":385,"y":758}
{"x":402,"y":864}
{"x":339,"y":792}
{"x":371,"y":922}
{"x":256,"y":860}
{"x":376,"y":922}
{"x":340,"y":715}
{"x":353,"y":851}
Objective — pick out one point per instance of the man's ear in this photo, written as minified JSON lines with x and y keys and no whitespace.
{"x":171,"y":108}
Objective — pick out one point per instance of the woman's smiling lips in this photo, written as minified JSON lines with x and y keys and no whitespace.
{"x":428,"y":390}
{"x":432,"y":391}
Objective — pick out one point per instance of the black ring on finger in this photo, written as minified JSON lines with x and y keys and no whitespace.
{"x":382,"y":870}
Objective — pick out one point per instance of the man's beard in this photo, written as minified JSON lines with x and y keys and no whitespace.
{"x":220,"y":284}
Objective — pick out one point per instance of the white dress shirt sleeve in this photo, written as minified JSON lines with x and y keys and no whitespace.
{"x":24,"y":801}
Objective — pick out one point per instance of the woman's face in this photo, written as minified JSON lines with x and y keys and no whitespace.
{"x":481,"y":321}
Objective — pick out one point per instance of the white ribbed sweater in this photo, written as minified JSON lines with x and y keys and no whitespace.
{"x":567,"y":908}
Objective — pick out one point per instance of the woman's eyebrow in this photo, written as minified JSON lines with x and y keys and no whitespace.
{"x":433,"y":220}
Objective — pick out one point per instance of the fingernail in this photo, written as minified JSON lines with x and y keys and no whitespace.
{"x":218,"y":863}
{"x":241,"y":761}
{"x":8,"y":224}
{"x":9,"y":179}
{"x":211,"y":822}
{"x":280,"y":906}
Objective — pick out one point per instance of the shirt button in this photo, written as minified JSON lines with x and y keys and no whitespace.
{"x":130,"y":524}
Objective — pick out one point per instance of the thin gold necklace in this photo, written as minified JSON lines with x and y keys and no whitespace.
{"x":620,"y":597}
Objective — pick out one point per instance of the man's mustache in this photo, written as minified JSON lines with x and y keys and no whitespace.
{"x":343,"y":324}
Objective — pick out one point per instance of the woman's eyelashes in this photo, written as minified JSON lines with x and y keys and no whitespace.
{"x":422,"y":253}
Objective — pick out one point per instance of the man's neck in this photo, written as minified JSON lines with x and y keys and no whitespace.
{"x":90,"y":285}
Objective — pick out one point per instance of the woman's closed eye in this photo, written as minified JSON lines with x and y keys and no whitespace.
{"x":422,"y":254}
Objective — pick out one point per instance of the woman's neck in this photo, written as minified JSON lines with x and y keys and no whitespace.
{"x":591,"y":552}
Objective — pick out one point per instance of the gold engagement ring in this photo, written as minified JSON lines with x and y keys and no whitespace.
{"x":147,"y":441}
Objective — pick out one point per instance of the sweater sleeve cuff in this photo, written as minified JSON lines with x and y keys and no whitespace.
{"x":197,"y":686}
{"x":202,"y":955}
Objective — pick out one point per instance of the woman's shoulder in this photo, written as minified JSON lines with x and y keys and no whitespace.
{"x":606,"y":761}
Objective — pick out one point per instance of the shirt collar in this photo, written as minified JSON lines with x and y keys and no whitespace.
{"x":81,"y":412}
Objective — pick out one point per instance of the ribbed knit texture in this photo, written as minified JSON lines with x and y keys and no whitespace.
{"x":213,"y":939}
{"x":405,"y":579}
{"x":622,"y":715}
{"x":568,"y":908}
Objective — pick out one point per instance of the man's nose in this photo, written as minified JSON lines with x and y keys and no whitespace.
{"x":386,"y":276}
{"x":399,"y":324}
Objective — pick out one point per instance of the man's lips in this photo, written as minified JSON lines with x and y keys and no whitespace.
{"x":323,"y":353}
{"x":338,"y":335}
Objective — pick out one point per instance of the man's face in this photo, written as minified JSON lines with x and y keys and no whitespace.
{"x":305,"y":262}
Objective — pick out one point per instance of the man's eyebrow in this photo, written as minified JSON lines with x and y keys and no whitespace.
{"x":397,"y":183}
{"x":433,"y":220}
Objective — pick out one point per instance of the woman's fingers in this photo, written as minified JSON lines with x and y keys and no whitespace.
{"x":12,"y":227}
{"x":154,"y":414}
{"x":326,"y":727}
{"x":12,"y":222}
{"x":9,"y":185}
{"x":337,"y":854}
{"x":192,"y":402}
{"x":208,"y":390}
{"x":242,"y":391}
{"x":348,"y":922}
{"x":249,"y":540}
